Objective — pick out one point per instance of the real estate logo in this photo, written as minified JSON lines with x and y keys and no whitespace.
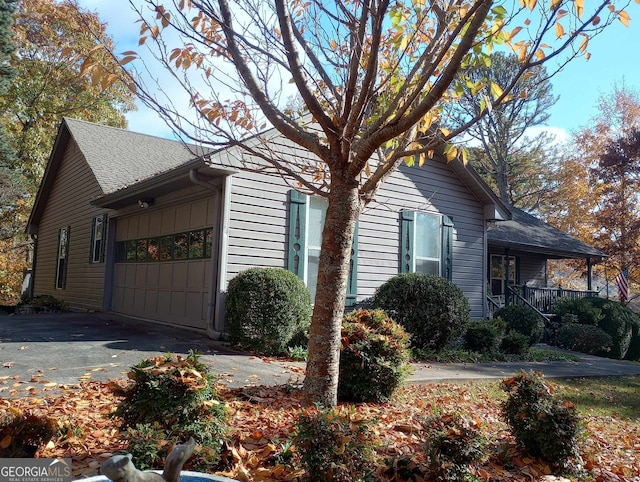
{"x":35,"y":470}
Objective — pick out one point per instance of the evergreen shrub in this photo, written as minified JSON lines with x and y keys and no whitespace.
{"x":544,"y":425}
{"x":334,"y":445}
{"x":452,"y":443}
{"x":374,"y":356}
{"x":432,"y":309}
{"x":483,"y":336}
{"x":267,"y":310}
{"x":618,"y":322}
{"x":170,"y":399}
{"x":524,"y":320}
{"x":22,"y":434}
{"x":583,"y":338}
{"x":515,"y":343}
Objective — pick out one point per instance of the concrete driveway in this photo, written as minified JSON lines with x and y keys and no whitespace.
{"x":39,"y":353}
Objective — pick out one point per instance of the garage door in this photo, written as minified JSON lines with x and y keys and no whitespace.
{"x":163,"y":268}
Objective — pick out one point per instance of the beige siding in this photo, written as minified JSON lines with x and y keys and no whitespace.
{"x":68,"y":205}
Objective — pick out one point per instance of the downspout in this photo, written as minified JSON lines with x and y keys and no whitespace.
{"x":589,"y":275}
{"x":214,"y":322}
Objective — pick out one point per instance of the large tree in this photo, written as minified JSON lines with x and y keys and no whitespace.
{"x":372,"y":75}
{"x":506,"y":153}
{"x":51,"y":40}
{"x":587,"y":186}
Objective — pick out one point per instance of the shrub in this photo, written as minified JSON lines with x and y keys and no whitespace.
{"x":483,"y":336}
{"x":515,"y":343}
{"x":633,"y":353}
{"x":171,"y":399}
{"x":334,"y":446}
{"x":432,"y":309}
{"x":545,"y":426}
{"x":582,"y":308}
{"x":373,"y":358}
{"x":22,"y":434}
{"x":523,"y":320}
{"x":583,"y":338}
{"x":46,"y":301}
{"x":267,"y":309}
{"x":617,"y":321}
{"x":452,"y":443}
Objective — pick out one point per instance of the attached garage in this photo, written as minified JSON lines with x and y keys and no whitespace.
{"x":163,"y":268}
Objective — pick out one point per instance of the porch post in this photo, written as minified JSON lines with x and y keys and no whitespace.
{"x":589,"y":275}
{"x":506,"y":277}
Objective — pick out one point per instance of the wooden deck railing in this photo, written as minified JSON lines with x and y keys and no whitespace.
{"x":540,"y":299}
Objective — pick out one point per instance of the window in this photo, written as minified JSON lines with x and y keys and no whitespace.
{"x":98,"y":239}
{"x":197,"y":244}
{"x":497,"y":273}
{"x":426,"y":244}
{"x":63,"y":257}
{"x":306,"y":221}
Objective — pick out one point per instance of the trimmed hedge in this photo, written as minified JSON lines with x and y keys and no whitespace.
{"x":583,"y":338}
{"x":432,"y":309}
{"x":618,"y":322}
{"x":374,"y":357}
{"x":268,"y":310}
{"x":523,"y":320}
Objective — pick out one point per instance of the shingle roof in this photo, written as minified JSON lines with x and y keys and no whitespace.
{"x":120,"y":158}
{"x":529,"y":233}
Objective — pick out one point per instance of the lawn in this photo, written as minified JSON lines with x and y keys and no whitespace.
{"x":263,"y":419}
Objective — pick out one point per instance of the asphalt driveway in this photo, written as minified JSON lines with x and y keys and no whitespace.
{"x":42,"y":352}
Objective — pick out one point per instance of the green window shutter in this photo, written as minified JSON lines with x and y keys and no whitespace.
{"x":92,"y":246}
{"x":297,"y":229}
{"x":447,"y":248}
{"x":406,"y":241}
{"x":352,"y":281}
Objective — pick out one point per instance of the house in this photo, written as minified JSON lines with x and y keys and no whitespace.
{"x":152,"y":228}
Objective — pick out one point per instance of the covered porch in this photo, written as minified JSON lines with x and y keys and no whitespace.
{"x":519,"y":250}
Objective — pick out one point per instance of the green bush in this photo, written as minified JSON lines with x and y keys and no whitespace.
{"x":633,"y":353}
{"x":170,"y":399}
{"x":583,"y":338}
{"x":432,"y":309}
{"x":524,"y":320}
{"x":334,"y":446}
{"x":267,"y":309}
{"x":617,"y":321}
{"x":483,"y":336}
{"x":46,"y":301}
{"x":544,"y":425}
{"x":374,"y":356}
{"x":452,"y":443}
{"x":515,"y":343}
{"x":23,"y":434}
{"x":582,"y":308}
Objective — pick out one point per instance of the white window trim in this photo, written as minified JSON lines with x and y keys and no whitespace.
{"x":415,"y":243}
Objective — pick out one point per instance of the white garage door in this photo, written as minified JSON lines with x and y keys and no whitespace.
{"x":163,"y":264}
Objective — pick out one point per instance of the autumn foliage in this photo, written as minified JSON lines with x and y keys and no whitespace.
{"x":262,"y":420}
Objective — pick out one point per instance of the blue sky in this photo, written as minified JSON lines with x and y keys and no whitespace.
{"x":615,"y":57}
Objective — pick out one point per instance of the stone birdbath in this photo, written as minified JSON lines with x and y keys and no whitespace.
{"x":120,"y":468}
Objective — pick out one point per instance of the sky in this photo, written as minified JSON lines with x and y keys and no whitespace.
{"x":615,"y":58}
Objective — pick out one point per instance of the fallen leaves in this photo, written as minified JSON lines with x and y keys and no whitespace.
{"x":263,"y":419}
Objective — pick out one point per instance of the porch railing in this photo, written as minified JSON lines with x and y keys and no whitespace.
{"x":543,"y":299}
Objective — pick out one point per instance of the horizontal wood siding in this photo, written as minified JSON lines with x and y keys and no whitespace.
{"x":68,"y":205}
{"x":533,"y":271}
{"x":258,"y":226}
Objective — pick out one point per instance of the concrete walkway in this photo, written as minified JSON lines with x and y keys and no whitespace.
{"x":41,"y":353}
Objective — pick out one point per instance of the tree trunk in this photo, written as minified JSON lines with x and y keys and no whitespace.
{"x":321,"y":380}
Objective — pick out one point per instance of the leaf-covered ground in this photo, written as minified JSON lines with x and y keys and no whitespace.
{"x":262,"y":419}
